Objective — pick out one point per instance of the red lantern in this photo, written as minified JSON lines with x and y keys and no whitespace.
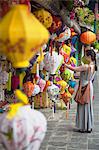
{"x":71,"y":90}
{"x":88,"y":37}
{"x":56,"y":24}
{"x":4,"y":8}
{"x":28,"y":88}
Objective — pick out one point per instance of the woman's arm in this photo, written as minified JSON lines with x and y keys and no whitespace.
{"x":78,"y":69}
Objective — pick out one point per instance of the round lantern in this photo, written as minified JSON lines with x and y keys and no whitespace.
{"x":88,"y":37}
{"x":21,"y":36}
{"x":66,"y":75}
{"x":72,"y":83}
{"x":63,"y":85}
{"x":56,"y":24}
{"x":44,"y":17}
{"x":28,"y":88}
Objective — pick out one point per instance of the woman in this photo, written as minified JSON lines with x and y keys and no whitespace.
{"x":84,"y":117}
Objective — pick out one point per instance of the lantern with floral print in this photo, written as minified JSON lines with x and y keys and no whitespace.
{"x":21,"y":36}
{"x":64,"y":35}
{"x":28,"y":88}
{"x":44,"y":17}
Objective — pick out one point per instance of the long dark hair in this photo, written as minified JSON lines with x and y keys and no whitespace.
{"x":93,"y":57}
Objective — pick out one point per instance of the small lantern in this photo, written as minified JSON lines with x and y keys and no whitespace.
{"x":28,"y":88}
{"x":56,"y":24}
{"x":88,"y":37}
{"x":44,"y":17}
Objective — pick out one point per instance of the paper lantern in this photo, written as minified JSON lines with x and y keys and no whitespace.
{"x":53,"y":92}
{"x":88,"y":37}
{"x":56,"y":24}
{"x":63,"y":85}
{"x":21,"y":35}
{"x":66,"y":56}
{"x":66,"y":75}
{"x":36,"y":90}
{"x":42,"y":84}
{"x":44,"y":17}
{"x":72,"y":83}
{"x":67,"y":49}
{"x":63,"y":36}
{"x":28,"y":88}
{"x":71,"y":90}
{"x":53,"y":63}
{"x":73,"y":61}
{"x":66,"y":96}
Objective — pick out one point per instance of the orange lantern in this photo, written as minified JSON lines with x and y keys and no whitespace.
{"x":71,"y":90}
{"x":88,"y":37}
{"x":28,"y":88}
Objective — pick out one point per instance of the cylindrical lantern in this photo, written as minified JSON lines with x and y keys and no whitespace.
{"x":88,"y":37}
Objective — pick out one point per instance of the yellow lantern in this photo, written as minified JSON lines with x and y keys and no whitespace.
{"x":73,"y":60}
{"x":21,"y":36}
{"x":44,"y":17}
{"x":63,"y":85}
{"x":66,"y":49}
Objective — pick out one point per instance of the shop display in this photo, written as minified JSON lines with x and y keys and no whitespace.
{"x":33,"y":75}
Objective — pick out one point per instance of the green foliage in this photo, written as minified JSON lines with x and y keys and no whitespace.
{"x":96,"y":45}
{"x":85,"y":15}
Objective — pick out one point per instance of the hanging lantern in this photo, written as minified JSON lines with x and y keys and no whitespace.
{"x":66,"y":56}
{"x":63,"y":85}
{"x":52,"y":63}
{"x":56,"y":24}
{"x":67,"y":49}
{"x":73,"y":61}
{"x":21,"y":35}
{"x":88,"y":37}
{"x":66,"y":75}
{"x":65,"y":35}
{"x":28,"y":88}
{"x":44,"y":17}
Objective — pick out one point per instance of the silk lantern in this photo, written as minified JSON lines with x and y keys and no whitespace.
{"x":44,"y":17}
{"x":28,"y":88}
{"x":65,"y":35}
{"x":56,"y":24}
{"x":21,"y":35}
{"x":88,"y":37}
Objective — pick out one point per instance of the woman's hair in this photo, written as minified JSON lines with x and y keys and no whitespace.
{"x":93,"y":56}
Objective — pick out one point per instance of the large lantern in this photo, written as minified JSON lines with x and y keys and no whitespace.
{"x":88,"y":37}
{"x":21,"y":35}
